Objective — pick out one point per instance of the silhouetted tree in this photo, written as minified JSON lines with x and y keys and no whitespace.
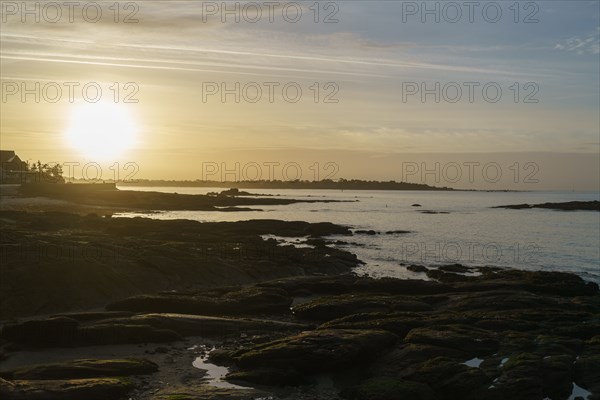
{"x":47,"y":173}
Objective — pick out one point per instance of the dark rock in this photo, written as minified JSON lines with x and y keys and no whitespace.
{"x":587,"y":372}
{"x":233,"y":192}
{"x":95,"y":261}
{"x":46,"y":332}
{"x":386,"y":388}
{"x":566,"y":206}
{"x":61,"y":331}
{"x":557,"y":376}
{"x":502,"y":300}
{"x":161,"y":350}
{"x":148,"y":200}
{"x":583,"y":330}
{"x":313,"y":285}
{"x":114,"y":333}
{"x":250,"y":300}
{"x":267,"y":376}
{"x":470,"y":340}
{"x":397,"y":324}
{"x":206,"y":392}
{"x":208,"y":326}
{"x":495,"y":323}
{"x":317,"y":351}
{"x":539,"y":282}
{"x":456,"y":268}
{"x":93,"y":315}
{"x":221,"y":357}
{"x":558,"y":283}
{"x":594,"y":341}
{"x":417,"y":268}
{"x":365,"y":232}
{"x":446,"y":277}
{"x":73,"y":389}
{"x":331,"y":307}
{"x":452,"y":380}
{"x":403,"y":361}
{"x":551,"y":344}
{"x":77,"y":369}
{"x":320,"y":229}
{"x":515,"y":206}
{"x":410,"y":287}
{"x":521,"y":379}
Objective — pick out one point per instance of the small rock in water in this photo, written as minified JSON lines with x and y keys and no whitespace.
{"x":417,"y":268}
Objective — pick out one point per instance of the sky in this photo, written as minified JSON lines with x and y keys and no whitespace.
{"x":386,"y":90}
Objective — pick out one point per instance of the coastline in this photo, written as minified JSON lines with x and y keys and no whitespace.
{"x":503,"y":334}
{"x":144,"y":300}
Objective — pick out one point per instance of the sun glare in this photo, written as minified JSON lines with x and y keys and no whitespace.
{"x":101,"y":130}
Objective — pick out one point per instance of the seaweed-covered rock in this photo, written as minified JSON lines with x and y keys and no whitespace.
{"x":400,"y":324}
{"x":540,"y":282}
{"x":206,"y":392}
{"x":351,"y":284}
{"x":403,"y":361}
{"x":587,"y":372}
{"x":316,"y":351}
{"x":250,"y":300}
{"x":331,"y":307}
{"x":521,"y":379}
{"x":73,"y":389}
{"x":498,"y":300}
{"x":557,"y":375}
{"x":470,"y":340}
{"x":207,"y":326}
{"x":267,"y":376}
{"x":78,"y":369}
{"x":452,"y":380}
{"x":553,"y":345}
{"x":96,"y":261}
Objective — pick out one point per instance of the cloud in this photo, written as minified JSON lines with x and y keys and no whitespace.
{"x":589,"y":44}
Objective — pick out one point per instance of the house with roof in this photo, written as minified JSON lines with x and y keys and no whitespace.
{"x":12,"y":168}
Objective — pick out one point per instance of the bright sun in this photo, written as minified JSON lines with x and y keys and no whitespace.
{"x":101,"y":130}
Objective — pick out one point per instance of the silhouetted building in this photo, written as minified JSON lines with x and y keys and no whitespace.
{"x":12,"y":168}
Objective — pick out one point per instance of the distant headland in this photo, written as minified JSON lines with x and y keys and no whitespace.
{"x":340,"y":184}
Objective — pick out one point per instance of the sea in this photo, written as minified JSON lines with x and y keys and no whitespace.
{"x":446,"y":227}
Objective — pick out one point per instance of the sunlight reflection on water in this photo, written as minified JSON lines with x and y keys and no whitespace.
{"x":472,"y":233}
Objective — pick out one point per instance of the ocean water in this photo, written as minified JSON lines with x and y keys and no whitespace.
{"x":467,"y":231}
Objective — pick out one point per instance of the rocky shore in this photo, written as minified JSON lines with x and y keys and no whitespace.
{"x":101,"y":308}
{"x":56,"y":262}
{"x":474,"y":333}
{"x":566,"y":206}
{"x":94,"y":198}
